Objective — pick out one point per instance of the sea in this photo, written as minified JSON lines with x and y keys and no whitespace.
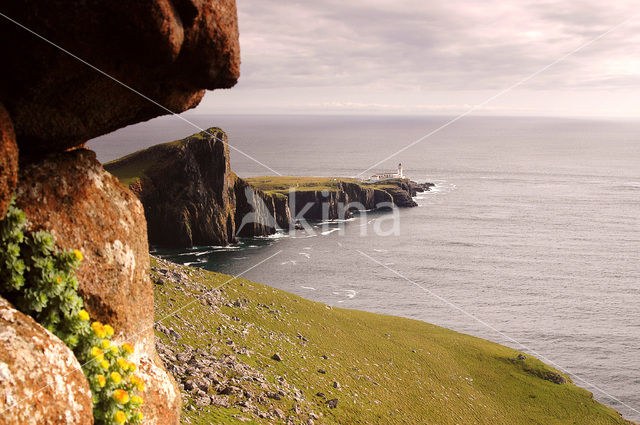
{"x":530,"y":238}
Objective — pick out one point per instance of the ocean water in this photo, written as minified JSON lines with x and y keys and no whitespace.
{"x":531,"y":236}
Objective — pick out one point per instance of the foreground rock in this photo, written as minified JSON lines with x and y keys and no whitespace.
{"x":170,"y":51}
{"x":133,"y":61}
{"x":85,"y":208}
{"x":8,"y":161}
{"x":41,"y":382}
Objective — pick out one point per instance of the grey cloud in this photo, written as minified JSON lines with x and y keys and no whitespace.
{"x":454,"y":45}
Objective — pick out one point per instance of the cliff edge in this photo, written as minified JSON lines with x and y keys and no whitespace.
{"x":191,"y":197}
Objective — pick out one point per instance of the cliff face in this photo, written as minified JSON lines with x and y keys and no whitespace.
{"x":258,"y":213}
{"x":186,"y":188}
{"x":191,"y":197}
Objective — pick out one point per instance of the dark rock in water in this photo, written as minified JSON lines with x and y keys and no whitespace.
{"x":168,"y":51}
{"x":332,"y":404}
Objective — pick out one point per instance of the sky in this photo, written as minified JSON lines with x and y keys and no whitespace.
{"x":417,"y":57}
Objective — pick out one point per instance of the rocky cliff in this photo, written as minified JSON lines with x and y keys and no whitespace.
{"x":70,"y":74}
{"x":191,"y":197}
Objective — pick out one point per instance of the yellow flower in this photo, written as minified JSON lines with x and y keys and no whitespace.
{"x":121,"y":396}
{"x":132,"y":367}
{"x":120,"y":417}
{"x":83,"y":315}
{"x":98,"y":328}
{"x":77,"y":254}
{"x":137,"y":399}
{"x":102,"y":380}
{"x":58,"y":279}
{"x":123,"y":363}
{"x":116,"y":377}
{"x":127,"y":347}
{"x":139,"y":383}
{"x":97,"y":353}
{"x":104,"y":364}
{"x":106,"y":343}
{"x":108,"y":329}
{"x":140,"y":416}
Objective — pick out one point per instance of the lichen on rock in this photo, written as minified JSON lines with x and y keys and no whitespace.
{"x":41,"y":382}
{"x":70,"y":195}
{"x":8,"y":161}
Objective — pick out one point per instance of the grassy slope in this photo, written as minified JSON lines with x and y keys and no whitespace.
{"x":403,"y":371}
{"x":133,"y":167}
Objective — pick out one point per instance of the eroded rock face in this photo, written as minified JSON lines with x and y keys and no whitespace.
{"x":86,"y":208}
{"x":8,"y":161}
{"x":168,"y":50}
{"x":187,"y":189}
{"x":41,"y":382}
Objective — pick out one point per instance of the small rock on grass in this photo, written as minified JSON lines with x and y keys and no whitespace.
{"x":333,"y":403}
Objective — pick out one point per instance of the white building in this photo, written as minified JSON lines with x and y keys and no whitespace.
{"x":390,"y":175}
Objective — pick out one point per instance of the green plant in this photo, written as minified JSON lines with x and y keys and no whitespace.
{"x":39,"y":280}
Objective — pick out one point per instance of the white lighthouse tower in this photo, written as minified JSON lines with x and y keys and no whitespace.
{"x":400,"y":171}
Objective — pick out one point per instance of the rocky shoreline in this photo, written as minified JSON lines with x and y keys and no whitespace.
{"x":191,"y":197}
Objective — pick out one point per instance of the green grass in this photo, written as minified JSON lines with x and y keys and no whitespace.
{"x":282,"y":184}
{"x":403,"y":371}
{"x":133,"y":167}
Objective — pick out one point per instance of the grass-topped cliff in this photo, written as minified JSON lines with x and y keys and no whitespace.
{"x":282,"y":184}
{"x":133,"y":167}
{"x":191,"y":197}
{"x":378,"y":369}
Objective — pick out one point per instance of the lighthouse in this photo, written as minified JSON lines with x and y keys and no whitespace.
{"x":400,"y":171}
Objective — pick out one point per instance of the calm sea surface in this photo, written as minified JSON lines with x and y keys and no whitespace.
{"x":534,"y":228}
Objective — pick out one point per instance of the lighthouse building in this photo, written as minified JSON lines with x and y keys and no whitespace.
{"x":399,"y":174}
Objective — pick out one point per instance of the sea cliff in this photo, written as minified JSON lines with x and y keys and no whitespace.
{"x":191,"y":196}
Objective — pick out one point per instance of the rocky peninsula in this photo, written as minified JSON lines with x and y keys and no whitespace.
{"x":191,"y":197}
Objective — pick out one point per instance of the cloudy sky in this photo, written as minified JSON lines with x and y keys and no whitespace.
{"x":436,"y":57}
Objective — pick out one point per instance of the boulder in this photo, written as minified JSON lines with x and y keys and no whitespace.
{"x":41,"y":382}
{"x":168,"y":51}
{"x":8,"y":161}
{"x":86,"y":208}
